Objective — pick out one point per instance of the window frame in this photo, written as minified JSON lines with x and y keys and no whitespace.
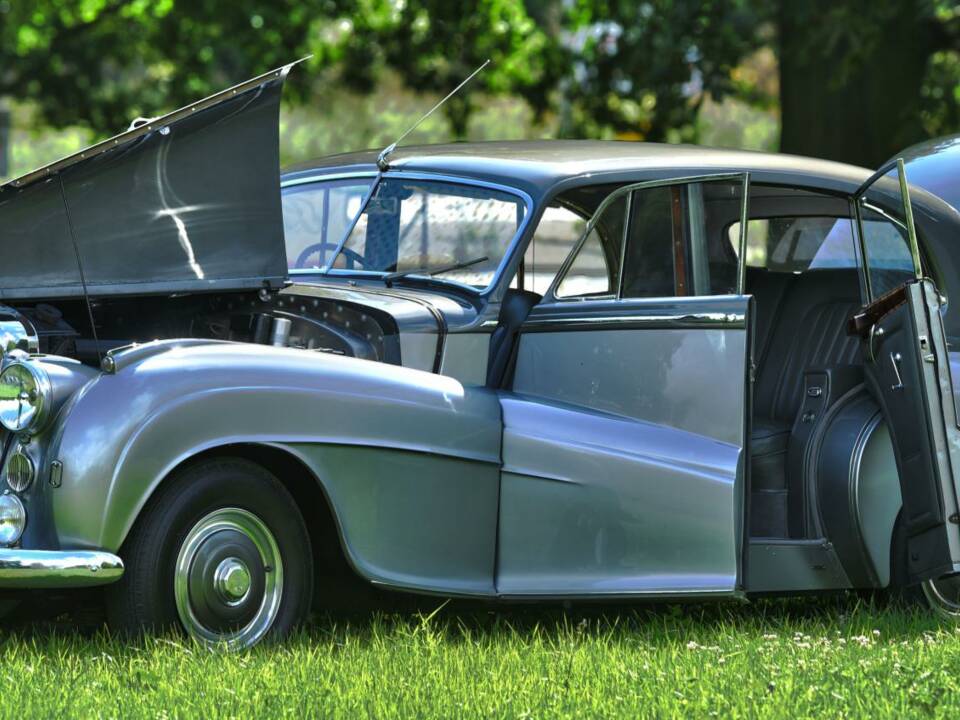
{"x":742,"y":177}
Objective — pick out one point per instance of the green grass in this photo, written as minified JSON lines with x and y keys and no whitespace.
{"x":834,"y":658}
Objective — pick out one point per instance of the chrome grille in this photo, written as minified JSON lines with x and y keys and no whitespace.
{"x":20,"y":471}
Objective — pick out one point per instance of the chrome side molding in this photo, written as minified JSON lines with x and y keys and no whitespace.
{"x":639,"y":321}
{"x":37,"y":569}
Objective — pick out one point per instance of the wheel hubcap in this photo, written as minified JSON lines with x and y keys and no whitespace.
{"x":228,"y":580}
{"x":232,"y":580}
{"x":943,"y":595}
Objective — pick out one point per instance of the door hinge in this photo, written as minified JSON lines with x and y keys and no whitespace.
{"x":752,"y":373}
{"x":955,"y":519}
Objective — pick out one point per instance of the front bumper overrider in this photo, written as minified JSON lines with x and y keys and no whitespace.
{"x":57,"y":569}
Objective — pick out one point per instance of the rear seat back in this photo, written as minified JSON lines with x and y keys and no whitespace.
{"x":803,"y":327}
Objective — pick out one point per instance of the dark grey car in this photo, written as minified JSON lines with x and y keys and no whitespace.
{"x":503,"y":371}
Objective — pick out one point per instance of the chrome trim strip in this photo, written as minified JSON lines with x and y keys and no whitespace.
{"x":57,"y":568}
{"x":744,"y":223}
{"x":597,"y":322}
{"x":908,"y":216}
{"x":333,"y":176}
{"x":436,"y":177}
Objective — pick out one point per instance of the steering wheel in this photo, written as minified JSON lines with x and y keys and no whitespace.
{"x":352,"y":256}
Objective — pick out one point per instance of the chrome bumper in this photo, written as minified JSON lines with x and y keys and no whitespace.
{"x":39,"y":569}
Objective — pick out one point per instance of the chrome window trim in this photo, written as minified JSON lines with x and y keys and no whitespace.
{"x":743,"y":177}
{"x":427,"y":176}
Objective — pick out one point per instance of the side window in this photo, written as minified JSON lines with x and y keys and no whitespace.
{"x":669,"y":240}
{"x":886,"y":241}
{"x":797,"y":244}
{"x":316,"y":216}
{"x":557,"y":233}
{"x":595,"y":270}
{"x":889,"y":261}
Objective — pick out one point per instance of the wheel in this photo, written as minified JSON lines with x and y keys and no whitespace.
{"x":221,"y":552}
{"x":943,"y":596}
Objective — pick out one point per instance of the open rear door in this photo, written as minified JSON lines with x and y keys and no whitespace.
{"x":908,"y":372}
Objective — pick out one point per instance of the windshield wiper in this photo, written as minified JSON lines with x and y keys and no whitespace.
{"x":389,"y":278}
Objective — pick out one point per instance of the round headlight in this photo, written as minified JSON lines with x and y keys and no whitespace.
{"x":24,"y":396}
{"x":13,"y":518}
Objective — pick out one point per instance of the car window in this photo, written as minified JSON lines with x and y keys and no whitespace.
{"x":316,"y":216}
{"x":889,"y":260}
{"x":595,"y":269}
{"x":557,"y":233}
{"x":410,"y":225}
{"x":672,"y":246}
{"x":886,"y":242}
{"x":797,"y":244}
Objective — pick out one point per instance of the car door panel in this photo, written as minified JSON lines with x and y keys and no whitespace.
{"x":912,"y":385}
{"x":623,"y":449}
{"x":598,"y":504}
{"x":907,"y":367}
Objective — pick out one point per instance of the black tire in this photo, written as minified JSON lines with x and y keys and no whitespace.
{"x":144,"y":598}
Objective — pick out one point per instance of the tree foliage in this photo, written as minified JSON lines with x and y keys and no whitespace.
{"x":857,"y":76}
{"x":642,"y":69}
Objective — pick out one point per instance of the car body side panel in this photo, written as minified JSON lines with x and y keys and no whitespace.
{"x":411,"y":520}
{"x":465,"y":357}
{"x":597,"y":504}
{"x":127,"y":431}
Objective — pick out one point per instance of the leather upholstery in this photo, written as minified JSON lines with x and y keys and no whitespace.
{"x":514,"y":309}
{"x":808,"y":330}
{"x":801,"y":324}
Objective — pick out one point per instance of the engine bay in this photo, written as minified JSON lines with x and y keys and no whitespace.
{"x":71,"y":328}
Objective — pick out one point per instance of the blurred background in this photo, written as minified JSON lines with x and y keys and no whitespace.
{"x":851,"y":80}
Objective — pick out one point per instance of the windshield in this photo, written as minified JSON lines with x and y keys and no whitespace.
{"x":428,"y":225}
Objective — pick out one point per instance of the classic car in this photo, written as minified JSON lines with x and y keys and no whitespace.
{"x":548,"y":370}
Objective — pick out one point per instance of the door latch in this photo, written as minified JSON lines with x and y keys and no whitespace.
{"x":895,"y":360}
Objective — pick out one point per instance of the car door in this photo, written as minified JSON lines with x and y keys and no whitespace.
{"x":624,"y":430}
{"x":908,"y":372}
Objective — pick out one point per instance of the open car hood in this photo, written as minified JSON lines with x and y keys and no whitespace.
{"x":186,"y":202}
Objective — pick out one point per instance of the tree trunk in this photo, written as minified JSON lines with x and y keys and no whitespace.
{"x":850,"y":81}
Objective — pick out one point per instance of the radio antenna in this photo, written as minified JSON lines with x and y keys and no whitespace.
{"x":385,"y":153}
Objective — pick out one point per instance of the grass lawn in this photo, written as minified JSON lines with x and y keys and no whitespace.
{"x":841,"y":657}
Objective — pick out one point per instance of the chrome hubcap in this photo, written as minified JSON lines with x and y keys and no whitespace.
{"x":944,"y":595}
{"x":232,"y":580}
{"x":228,"y":579}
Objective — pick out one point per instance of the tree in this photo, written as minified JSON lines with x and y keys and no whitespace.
{"x":103,"y":62}
{"x":641,"y":70}
{"x":861,"y":80}
{"x":434,"y":44}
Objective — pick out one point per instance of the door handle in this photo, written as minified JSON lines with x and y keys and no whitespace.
{"x":895,"y":360}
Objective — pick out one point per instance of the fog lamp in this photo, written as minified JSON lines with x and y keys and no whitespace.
{"x":13,"y":518}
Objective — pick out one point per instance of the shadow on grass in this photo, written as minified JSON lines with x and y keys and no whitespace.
{"x":78,"y":618}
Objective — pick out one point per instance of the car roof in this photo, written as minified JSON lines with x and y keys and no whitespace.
{"x":537,"y":166}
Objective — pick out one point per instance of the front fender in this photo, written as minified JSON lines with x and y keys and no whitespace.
{"x":128,"y":430}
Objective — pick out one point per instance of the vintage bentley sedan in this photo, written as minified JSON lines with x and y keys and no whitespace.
{"x":552,"y":370}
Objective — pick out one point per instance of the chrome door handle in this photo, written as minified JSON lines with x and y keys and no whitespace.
{"x":895,"y":360}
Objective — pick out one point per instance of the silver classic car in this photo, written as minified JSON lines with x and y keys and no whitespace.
{"x":506,"y":371}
